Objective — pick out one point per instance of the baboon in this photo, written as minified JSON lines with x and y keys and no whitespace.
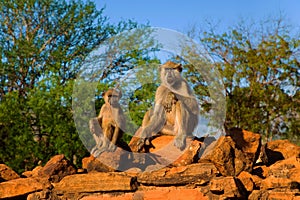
{"x":175,"y":111}
{"x":112,"y":122}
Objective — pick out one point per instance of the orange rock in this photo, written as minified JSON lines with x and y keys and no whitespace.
{"x":170,"y":193}
{"x":286,"y":194}
{"x":272,"y":182}
{"x":289,"y":163}
{"x":33,"y":173}
{"x":57,"y":168}
{"x":289,"y":168}
{"x":257,"y":181}
{"x":158,"y":143}
{"x":161,"y":142}
{"x":164,"y":153}
{"x":247,"y":141}
{"x":153,"y":194}
{"x":279,"y":150}
{"x":44,"y":194}
{"x":283,"y":174}
{"x":256,"y":194}
{"x":295,"y":175}
{"x":234,"y":153}
{"x":190,"y":155}
{"x":127,"y":196}
{"x":119,"y":160}
{"x":225,"y":186}
{"x":154,"y":167}
{"x":133,"y":171}
{"x":229,"y":160}
{"x":171,"y":155}
{"x":86,"y":161}
{"x":96,"y":182}
{"x":7,"y":173}
{"x":163,"y":146}
{"x":261,"y":171}
{"x":247,"y":181}
{"x":22,"y":186}
{"x":197,"y":174}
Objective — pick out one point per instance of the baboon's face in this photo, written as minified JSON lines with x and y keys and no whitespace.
{"x":170,"y":75}
{"x":112,"y":97}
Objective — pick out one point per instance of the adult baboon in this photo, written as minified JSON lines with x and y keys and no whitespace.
{"x":175,"y":111}
{"x":112,"y":121}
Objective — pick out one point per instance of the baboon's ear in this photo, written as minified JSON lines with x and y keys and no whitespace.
{"x":160,"y":68}
{"x":120,"y":94}
{"x":179,"y":67}
{"x":103,"y":93}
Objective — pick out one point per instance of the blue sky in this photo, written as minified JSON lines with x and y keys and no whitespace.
{"x":180,"y":15}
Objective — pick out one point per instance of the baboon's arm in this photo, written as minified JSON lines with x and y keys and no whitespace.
{"x":156,"y":123}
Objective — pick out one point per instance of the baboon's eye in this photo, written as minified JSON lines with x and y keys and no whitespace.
{"x":110,"y":95}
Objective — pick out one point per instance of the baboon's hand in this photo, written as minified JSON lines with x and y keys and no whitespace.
{"x":144,"y":142}
{"x":180,"y":142}
{"x":111,"y":147}
{"x":141,"y":144}
{"x":96,"y":151}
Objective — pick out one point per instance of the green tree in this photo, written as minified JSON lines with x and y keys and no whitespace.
{"x":259,"y":65}
{"x":42,"y":44}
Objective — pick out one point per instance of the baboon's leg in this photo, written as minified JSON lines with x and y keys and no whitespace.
{"x":156,"y":123}
{"x":180,"y":127}
{"x":110,"y":132}
{"x":107,"y":135}
{"x":115,"y":135}
{"x":113,"y":141}
{"x":98,"y":140}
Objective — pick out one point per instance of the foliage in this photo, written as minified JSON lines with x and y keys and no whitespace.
{"x":260,"y":69}
{"x":42,"y":44}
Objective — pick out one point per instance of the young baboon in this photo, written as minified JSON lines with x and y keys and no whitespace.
{"x":175,"y":111}
{"x":112,"y":121}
